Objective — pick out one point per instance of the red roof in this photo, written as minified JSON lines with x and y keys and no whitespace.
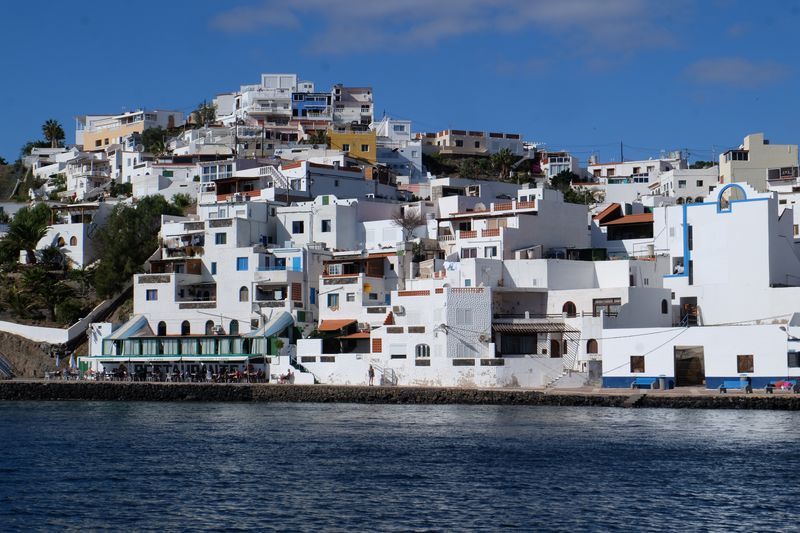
{"x":335,"y":325}
{"x":641,"y":218}
{"x":606,"y":212}
{"x":359,"y":335}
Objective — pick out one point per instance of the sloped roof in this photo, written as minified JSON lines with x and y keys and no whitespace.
{"x":335,"y":325}
{"x":641,"y":218}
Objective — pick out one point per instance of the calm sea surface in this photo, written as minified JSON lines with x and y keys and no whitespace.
{"x":161,"y":466}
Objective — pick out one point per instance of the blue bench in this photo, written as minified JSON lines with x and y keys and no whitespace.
{"x":735,"y":385}
{"x":638,"y":383}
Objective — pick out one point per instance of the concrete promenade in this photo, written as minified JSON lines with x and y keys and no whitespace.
{"x":34,"y":390}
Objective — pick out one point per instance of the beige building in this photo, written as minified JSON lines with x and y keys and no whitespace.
{"x":97,"y":132}
{"x":757,"y":161}
{"x":470,"y":143}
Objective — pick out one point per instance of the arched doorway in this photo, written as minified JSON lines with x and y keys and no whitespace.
{"x":244,"y":294}
{"x":162,"y":329}
{"x":186,"y":329}
{"x":555,"y":348}
{"x":591,"y":346}
{"x":234,"y":328}
{"x":209,"y":327}
{"x":664,"y":307}
{"x":73,"y":241}
{"x":569,"y":309}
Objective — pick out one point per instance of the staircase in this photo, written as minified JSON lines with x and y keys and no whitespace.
{"x":5,"y":369}
{"x":568,"y":379}
{"x":280,"y":181}
{"x":388,"y":375}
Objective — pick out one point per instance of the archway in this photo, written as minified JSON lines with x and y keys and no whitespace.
{"x":569,"y":309}
{"x":186,"y":329}
{"x":209,"y":327}
{"x":679,"y":201}
{"x":664,"y":307}
{"x":73,"y":241}
{"x":591,"y":346}
{"x":162,"y":329}
{"x":422,"y":350}
{"x":244,"y":294}
{"x":234,"y":328}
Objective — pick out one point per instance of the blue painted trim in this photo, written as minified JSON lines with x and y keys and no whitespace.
{"x":687,"y":254}
{"x":625,"y":382}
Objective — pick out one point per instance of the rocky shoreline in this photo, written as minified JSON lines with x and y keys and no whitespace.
{"x":201,"y":392}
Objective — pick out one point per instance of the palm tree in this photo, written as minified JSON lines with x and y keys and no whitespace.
{"x":502,"y":162}
{"x":84,"y":277}
{"x":26,"y":229}
{"x":19,"y":302}
{"x":318,"y":137}
{"x":45,"y":289}
{"x":53,"y":132}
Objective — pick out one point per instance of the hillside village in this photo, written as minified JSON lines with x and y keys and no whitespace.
{"x":287,"y":230}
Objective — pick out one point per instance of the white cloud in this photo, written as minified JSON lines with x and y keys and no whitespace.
{"x":735,"y":72}
{"x":358,"y":25}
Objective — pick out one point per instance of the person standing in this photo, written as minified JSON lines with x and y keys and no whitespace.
{"x":371,"y":374}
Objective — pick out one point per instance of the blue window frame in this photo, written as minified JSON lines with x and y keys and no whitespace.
{"x":214,"y":268}
{"x":151,"y":295}
{"x":241,"y":263}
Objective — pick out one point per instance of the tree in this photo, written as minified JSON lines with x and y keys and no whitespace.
{"x":564,"y":180}
{"x":53,"y":132}
{"x":53,"y":257}
{"x":46,"y":290}
{"x":30,"y":145}
{"x":154,"y":140}
{"x":84,"y":277}
{"x":19,"y":302}
{"x":205,"y":114}
{"x":408,"y":220}
{"x":25,"y":231}
{"x":128,"y":239}
{"x":318,"y":137}
{"x":502,"y":162}
{"x":702,"y":164}
{"x":182,"y":201}
{"x":3,"y":161}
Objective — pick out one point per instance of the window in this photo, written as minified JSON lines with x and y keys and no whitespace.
{"x":664,"y":307}
{"x":609,"y":306}
{"x":569,"y":309}
{"x":186,"y":329}
{"x":397,"y":351}
{"x":298,"y":226}
{"x":220,"y":238}
{"x":422,"y":350}
{"x":162,"y":329}
{"x":637,"y":170}
{"x":591,"y":346}
{"x":214,"y":268}
{"x":699,"y":183}
{"x":98,"y":143}
{"x":350,"y":297}
{"x":637,"y":364}
{"x":151,"y":295}
{"x":744,"y":363}
{"x":241,"y":263}
{"x":413,"y":153}
{"x":477,"y":144}
{"x":398,"y":127}
{"x":793,"y":359}
{"x":490,"y":251}
{"x":467,"y":253}
{"x":333,"y":301}
{"x":326,"y":226}
{"x":209,"y":327}
{"x":364,"y":148}
{"x":459,"y":143}
{"x":234,"y":328}
{"x":345,"y":147}
{"x":464,"y":317}
{"x":596,"y":173}
{"x":681,"y":184}
{"x":73,"y":241}
{"x":373,"y":296}
{"x":610,"y":172}
{"x":244,"y":294}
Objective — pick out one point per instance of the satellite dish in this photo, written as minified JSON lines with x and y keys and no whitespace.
{"x":139,"y":148}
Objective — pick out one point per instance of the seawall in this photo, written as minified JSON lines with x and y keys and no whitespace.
{"x":201,"y":392}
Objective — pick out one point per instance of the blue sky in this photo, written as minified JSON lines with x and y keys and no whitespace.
{"x":577,"y":74}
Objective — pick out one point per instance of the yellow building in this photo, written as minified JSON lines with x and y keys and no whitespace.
{"x":98,"y":132}
{"x":360,"y":144}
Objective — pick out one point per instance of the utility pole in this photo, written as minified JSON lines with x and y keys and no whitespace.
{"x":621,"y":154}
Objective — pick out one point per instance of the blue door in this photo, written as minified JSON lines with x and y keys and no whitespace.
{"x":296,"y":264}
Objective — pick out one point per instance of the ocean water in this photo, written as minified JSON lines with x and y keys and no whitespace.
{"x":162,"y":466}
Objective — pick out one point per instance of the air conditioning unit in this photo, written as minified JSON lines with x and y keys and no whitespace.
{"x":398,"y":310}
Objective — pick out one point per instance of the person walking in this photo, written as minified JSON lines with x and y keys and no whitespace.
{"x":371,"y":374}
